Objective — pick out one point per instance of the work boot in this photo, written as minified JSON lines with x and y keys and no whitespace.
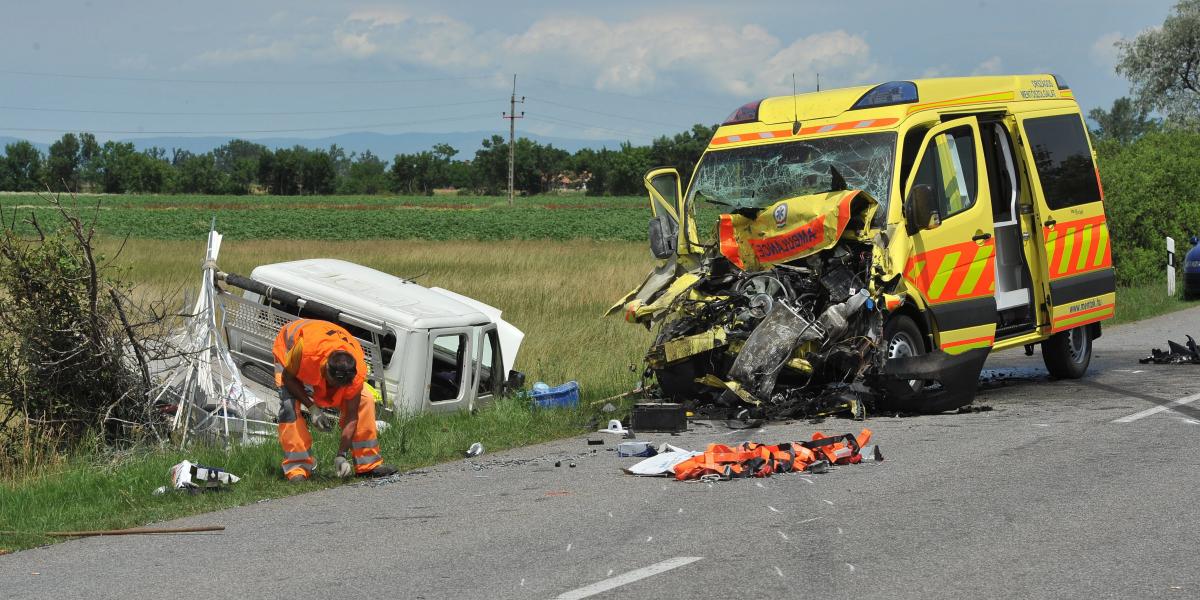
{"x":381,"y":471}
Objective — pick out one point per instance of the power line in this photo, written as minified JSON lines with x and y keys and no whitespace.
{"x":589,"y":125}
{"x":245,"y":131}
{"x":655,"y":100}
{"x":615,"y":116}
{"x":239,"y":81}
{"x":239,"y":113}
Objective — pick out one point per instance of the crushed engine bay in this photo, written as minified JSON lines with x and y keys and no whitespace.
{"x":784,"y":316}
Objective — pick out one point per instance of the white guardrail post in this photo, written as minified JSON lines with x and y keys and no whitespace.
{"x":1170,"y":266}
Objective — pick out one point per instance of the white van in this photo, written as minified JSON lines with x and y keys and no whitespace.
{"x":427,"y":349}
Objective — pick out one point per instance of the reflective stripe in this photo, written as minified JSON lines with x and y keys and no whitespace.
{"x":944,"y":272}
{"x":293,"y":327}
{"x":1068,"y":241}
{"x":1085,"y":247}
{"x":278,"y":368}
{"x":287,"y":407}
{"x":366,"y":460}
{"x":296,"y":456}
{"x":365,"y":444}
{"x":1101,"y":246}
{"x":977,"y":267}
{"x":307,"y":468}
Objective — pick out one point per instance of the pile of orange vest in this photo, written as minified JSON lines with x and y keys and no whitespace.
{"x":751,"y":459}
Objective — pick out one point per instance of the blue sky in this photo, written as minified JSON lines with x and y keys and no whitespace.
{"x":614,"y":69}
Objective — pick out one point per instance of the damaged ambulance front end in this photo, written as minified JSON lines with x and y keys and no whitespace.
{"x":781,"y":303}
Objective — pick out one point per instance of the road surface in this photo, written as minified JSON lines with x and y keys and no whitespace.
{"x":1064,"y":489}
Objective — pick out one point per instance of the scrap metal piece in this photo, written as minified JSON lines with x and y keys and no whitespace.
{"x":958,"y":374}
{"x":769,"y":347}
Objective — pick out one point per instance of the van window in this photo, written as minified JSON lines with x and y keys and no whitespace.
{"x":446,"y":367}
{"x":387,"y":342}
{"x":1063,"y":160}
{"x":949,"y":168}
{"x":488,"y":370}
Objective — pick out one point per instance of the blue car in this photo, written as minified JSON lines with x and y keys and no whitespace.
{"x":1191,"y":270}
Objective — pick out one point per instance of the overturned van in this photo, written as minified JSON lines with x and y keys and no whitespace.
{"x":427,"y":349}
{"x":874,"y":245}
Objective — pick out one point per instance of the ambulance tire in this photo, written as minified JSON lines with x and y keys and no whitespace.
{"x":901,"y":337}
{"x":1068,"y":353}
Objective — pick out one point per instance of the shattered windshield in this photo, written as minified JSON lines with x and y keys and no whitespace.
{"x":759,"y":176}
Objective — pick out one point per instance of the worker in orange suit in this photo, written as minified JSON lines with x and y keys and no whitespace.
{"x":320,"y":365}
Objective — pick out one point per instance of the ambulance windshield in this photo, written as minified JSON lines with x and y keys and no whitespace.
{"x":759,"y":176}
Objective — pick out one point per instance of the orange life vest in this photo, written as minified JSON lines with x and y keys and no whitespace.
{"x":751,"y":459}
{"x":303,"y":346}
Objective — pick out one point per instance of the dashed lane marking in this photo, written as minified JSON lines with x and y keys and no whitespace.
{"x":1157,"y":409}
{"x":627,"y":578}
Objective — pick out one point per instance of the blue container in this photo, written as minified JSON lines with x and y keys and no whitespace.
{"x":562,"y":396}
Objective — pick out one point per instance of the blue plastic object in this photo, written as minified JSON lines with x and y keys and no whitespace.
{"x":561,"y":396}
{"x":888,"y":94}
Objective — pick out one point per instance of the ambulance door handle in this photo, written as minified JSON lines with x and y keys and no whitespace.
{"x":1050,"y":223}
{"x":981,"y":237}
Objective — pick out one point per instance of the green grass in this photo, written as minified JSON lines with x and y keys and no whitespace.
{"x":1148,"y":300}
{"x":100,"y":491}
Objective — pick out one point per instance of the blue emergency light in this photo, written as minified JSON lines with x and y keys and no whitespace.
{"x":888,"y":94}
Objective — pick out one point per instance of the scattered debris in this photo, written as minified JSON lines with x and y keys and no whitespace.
{"x":595,"y":442}
{"x":1176,"y":354}
{"x":615,"y":428}
{"x":608,"y":408}
{"x":661,"y":464}
{"x":562,"y":396}
{"x":475,"y":450}
{"x":196,"y":479}
{"x":626,"y":449}
{"x":752,"y":459}
{"x":660,"y":417}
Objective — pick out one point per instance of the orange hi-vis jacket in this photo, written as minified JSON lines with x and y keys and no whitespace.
{"x":760,"y":460}
{"x":301,"y":349}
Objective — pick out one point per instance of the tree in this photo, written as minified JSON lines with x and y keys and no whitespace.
{"x":1125,"y":122}
{"x":1163,"y":65}
{"x":22,"y":167}
{"x":318,"y":174}
{"x":367,"y":175}
{"x":198,"y":174}
{"x":89,"y":152}
{"x":238,"y":161}
{"x":62,"y":166}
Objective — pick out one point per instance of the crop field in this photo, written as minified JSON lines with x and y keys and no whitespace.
{"x":359,"y":217}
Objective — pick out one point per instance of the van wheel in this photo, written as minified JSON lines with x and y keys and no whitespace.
{"x":1068,"y":353}
{"x":901,"y":338}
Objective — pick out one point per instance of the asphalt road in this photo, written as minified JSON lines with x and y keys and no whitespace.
{"x":1061,"y":490}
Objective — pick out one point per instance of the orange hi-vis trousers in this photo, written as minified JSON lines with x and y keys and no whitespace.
{"x":297,"y":441}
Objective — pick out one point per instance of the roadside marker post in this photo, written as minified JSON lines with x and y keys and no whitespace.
{"x":1170,"y":266}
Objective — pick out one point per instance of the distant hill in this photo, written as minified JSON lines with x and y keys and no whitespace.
{"x":384,"y":145}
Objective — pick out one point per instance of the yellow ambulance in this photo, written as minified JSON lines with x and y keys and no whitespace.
{"x":881,"y":238}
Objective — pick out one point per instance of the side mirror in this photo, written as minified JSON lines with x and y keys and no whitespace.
{"x":515,"y":382}
{"x":664,"y":238}
{"x":919,"y":209}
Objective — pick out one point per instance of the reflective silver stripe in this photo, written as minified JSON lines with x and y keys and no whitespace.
{"x":278,"y":368}
{"x":366,"y":460}
{"x":293,"y":327}
{"x":296,"y":456}
{"x":307,"y":467}
{"x":365,"y":444}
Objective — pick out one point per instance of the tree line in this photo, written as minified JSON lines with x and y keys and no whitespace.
{"x":78,"y":162}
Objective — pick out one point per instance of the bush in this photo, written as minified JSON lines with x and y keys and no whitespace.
{"x":73,"y":363}
{"x":1152,"y":190}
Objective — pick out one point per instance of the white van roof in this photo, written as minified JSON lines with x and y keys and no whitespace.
{"x":370,"y":294}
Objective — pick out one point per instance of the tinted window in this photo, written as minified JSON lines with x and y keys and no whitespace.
{"x":1063,"y":160}
{"x":948,"y":167}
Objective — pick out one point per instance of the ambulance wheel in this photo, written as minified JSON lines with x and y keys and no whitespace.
{"x":1068,"y":353}
{"x":901,"y":338}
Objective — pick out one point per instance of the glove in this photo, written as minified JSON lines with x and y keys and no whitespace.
{"x":342,"y":467}
{"x":323,"y":420}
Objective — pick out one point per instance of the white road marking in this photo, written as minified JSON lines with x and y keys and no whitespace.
{"x":1157,"y":409}
{"x":626,"y":578}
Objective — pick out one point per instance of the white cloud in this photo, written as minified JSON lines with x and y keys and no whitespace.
{"x":640,"y":55}
{"x":1104,"y":50}
{"x":990,"y":66}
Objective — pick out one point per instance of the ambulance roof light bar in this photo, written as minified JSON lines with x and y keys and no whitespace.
{"x":888,"y":94}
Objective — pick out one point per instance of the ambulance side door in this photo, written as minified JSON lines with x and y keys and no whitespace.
{"x":1075,"y":270}
{"x":951,"y":263}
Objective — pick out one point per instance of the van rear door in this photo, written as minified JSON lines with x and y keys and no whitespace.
{"x":1076,"y":267}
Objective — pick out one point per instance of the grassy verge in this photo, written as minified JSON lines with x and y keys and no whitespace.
{"x":1142,"y":302}
{"x":107,"y":492}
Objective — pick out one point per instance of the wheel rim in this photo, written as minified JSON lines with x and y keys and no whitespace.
{"x":902,"y":345}
{"x":1078,"y":345}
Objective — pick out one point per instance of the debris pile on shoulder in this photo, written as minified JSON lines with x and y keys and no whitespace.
{"x":1176,"y":354}
{"x":751,"y":459}
{"x":190,"y":477}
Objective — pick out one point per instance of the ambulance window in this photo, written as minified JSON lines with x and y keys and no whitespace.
{"x":1063,"y":160}
{"x":446,"y":367}
{"x":948,"y":167}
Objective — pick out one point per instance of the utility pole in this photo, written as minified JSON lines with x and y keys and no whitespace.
{"x":512,"y":117}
